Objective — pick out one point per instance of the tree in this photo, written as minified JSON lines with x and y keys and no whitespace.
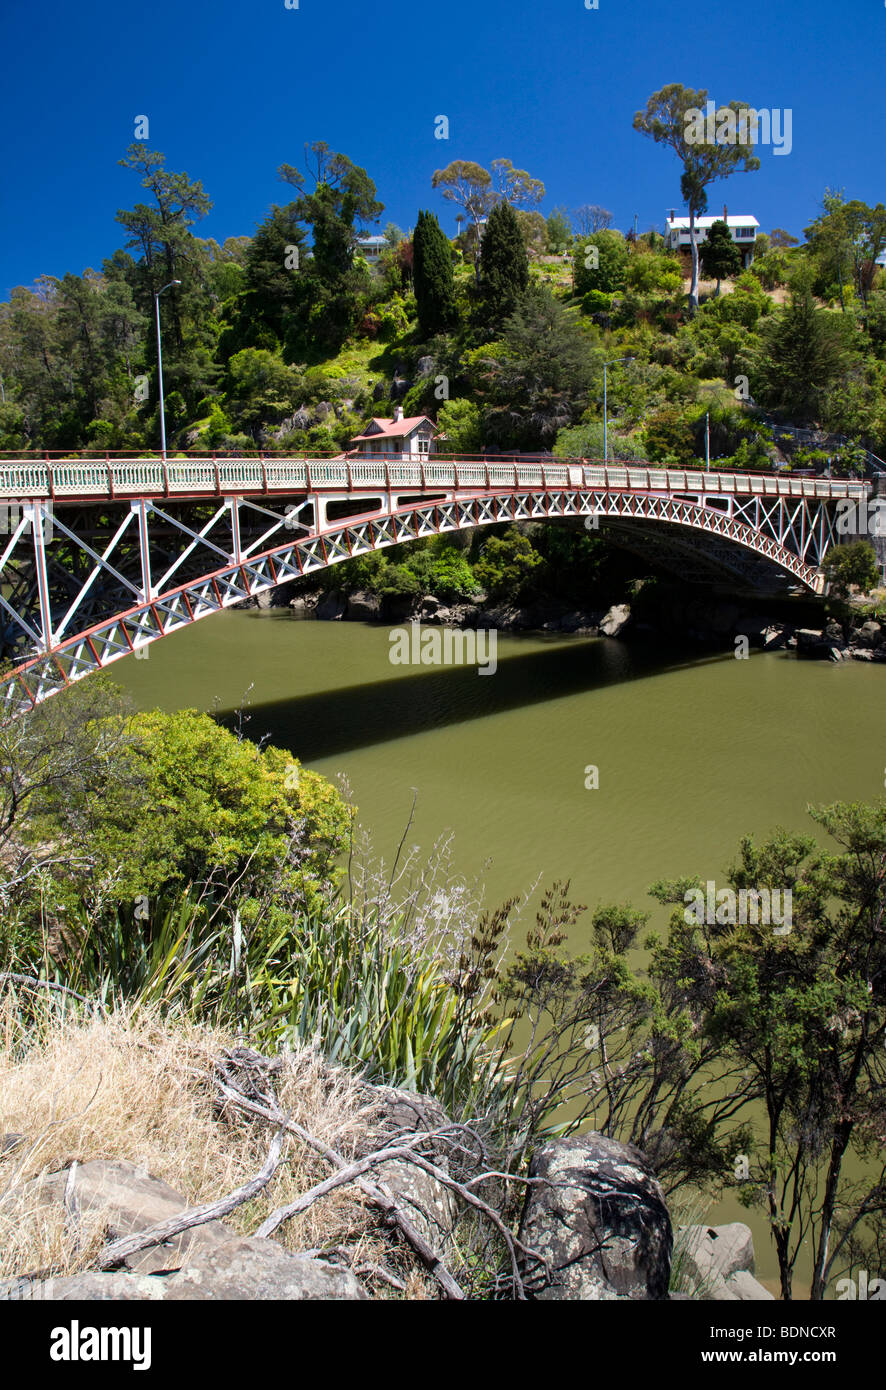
{"x":794,"y":1002}
{"x":432,"y":277}
{"x":720,"y":257}
{"x":506,"y":564}
{"x":469,"y":186}
{"x":504,"y":265}
{"x":559,"y":232}
{"x":536,"y":380}
{"x":780,"y":240}
{"x":341,"y":203}
{"x":459,"y":421}
{"x":674,"y":117}
{"x":848,"y":239}
{"x":647,"y":272}
{"x":669,"y":437}
{"x":803,"y":357}
{"x":601,"y":263}
{"x":162,"y":231}
{"x":592,"y":218}
{"x":852,"y":566}
{"x":516,"y":186}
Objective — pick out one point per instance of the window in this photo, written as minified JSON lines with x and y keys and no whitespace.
{"x":423,"y":444}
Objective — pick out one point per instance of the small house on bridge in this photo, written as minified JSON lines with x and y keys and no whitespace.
{"x":410,"y":437}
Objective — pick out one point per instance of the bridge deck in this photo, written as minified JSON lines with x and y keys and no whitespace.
{"x":74,"y":480}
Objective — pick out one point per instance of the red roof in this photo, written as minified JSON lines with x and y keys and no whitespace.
{"x":394,"y":429}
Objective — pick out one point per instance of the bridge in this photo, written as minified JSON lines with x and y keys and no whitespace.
{"x":101,"y":557}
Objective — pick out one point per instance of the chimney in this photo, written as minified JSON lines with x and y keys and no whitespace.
{"x":398,"y":414}
{"x":725,"y":214}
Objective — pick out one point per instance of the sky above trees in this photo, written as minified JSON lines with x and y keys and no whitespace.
{"x":233,"y":91}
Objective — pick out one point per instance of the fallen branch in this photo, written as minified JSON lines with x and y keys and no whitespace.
{"x":30,"y":983}
{"x":376,"y":1192}
{"x":117,"y":1251}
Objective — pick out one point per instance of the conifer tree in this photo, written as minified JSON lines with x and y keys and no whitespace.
{"x":432,"y":277}
{"x":504,"y":265}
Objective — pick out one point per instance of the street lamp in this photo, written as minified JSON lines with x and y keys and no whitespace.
{"x":610,"y":363}
{"x":157,"y":295}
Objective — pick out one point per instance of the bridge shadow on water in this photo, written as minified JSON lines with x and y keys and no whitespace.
{"x":324,"y":724}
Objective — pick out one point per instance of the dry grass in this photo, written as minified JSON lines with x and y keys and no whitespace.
{"x":134,"y":1087}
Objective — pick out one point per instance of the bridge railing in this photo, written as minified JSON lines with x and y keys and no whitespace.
{"x":68,"y":478}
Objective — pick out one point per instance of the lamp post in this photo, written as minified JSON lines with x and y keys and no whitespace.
{"x":157,"y":295}
{"x":610,"y":363}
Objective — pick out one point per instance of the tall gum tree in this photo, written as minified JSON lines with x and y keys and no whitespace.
{"x":674,"y":116}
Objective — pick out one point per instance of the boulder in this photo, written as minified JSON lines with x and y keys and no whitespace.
{"x":717,"y":1263}
{"x":616,"y":620}
{"x":775,"y":638}
{"x":600,"y":1221}
{"x":331,"y":607}
{"x":811,"y":643}
{"x":129,"y":1200}
{"x":430,"y":1205}
{"x":247,"y":1269}
{"x":364,"y":607}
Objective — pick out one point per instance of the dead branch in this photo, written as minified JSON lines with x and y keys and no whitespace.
{"x":30,"y":983}
{"x":115,"y":1252}
{"x":374,"y":1191}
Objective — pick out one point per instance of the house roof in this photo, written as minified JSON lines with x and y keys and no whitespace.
{"x":394,"y":429}
{"x":682,"y":223}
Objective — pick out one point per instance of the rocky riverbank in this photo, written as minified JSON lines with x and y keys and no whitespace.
{"x":661,"y":612}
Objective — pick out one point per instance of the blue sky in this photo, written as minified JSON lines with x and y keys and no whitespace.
{"x":234,"y":90}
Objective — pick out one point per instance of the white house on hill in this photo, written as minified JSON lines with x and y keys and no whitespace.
{"x":743,"y":229}
{"x":410,"y":437}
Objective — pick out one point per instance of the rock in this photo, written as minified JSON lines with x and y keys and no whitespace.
{"x":717,"y":1262}
{"x":745,"y":1287}
{"x":835,"y":654}
{"x":302,"y":606}
{"x":364,"y":607}
{"x":775,"y":638}
{"x":718,"y":1250}
{"x":868,"y":635}
{"x":425,"y":367}
{"x":811,"y":643}
{"x":616,"y":620}
{"x":861,"y":654}
{"x":430,"y":604}
{"x":429,"y":1204}
{"x":129,"y":1200}
{"x":603,"y":1228}
{"x":331,"y":607}
{"x":259,"y":1269}
{"x":247,"y":1269}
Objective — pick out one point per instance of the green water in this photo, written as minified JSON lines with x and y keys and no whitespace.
{"x":691,"y":752}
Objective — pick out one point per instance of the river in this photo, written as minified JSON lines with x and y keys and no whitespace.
{"x":691,"y":751}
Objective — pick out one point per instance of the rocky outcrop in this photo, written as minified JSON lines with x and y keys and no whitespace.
{"x":235,"y":1269}
{"x":129,"y":1199}
{"x":717,"y":1263}
{"x":430,"y":1205}
{"x":599,"y":1219}
{"x":205,"y":1262}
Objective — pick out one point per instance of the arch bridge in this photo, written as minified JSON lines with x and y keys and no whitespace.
{"x":100,"y":557}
